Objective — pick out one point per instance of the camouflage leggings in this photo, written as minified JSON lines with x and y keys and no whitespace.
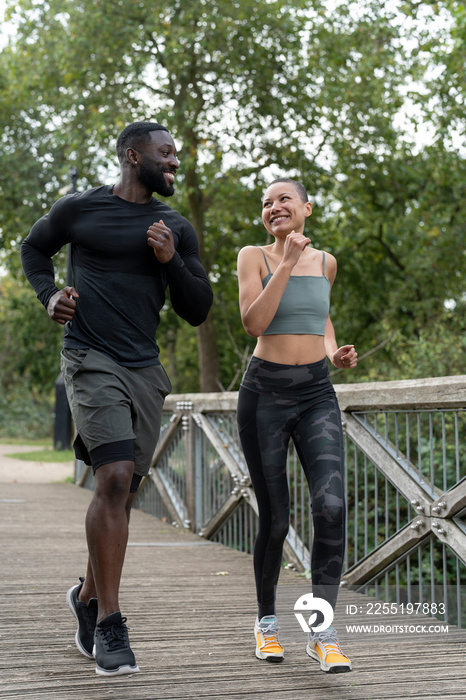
{"x":277,"y":402}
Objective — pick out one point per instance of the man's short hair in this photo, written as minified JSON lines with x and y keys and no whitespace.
{"x":135,"y":134}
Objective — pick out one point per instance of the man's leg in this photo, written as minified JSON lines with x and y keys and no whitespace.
{"x":107,"y":534}
{"x":88,"y":589}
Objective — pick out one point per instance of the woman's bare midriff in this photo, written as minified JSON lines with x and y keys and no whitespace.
{"x":290,"y":349}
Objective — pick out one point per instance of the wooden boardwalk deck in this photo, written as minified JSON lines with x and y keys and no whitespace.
{"x":190,"y":608}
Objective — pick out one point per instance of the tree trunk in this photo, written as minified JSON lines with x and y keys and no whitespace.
{"x":209,"y":365}
{"x":209,"y":368}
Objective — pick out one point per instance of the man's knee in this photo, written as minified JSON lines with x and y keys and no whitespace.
{"x":114,"y":480}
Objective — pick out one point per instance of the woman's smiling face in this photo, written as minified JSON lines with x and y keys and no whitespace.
{"x":283,"y":209}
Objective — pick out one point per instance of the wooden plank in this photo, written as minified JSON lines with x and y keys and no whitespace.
{"x":448,"y":532}
{"x":429,"y":393}
{"x":451,"y":502}
{"x":159,"y":484}
{"x":223,"y":513}
{"x":191,"y":611}
{"x":387,"y":553}
{"x":398,"y":476}
{"x":215,"y":401}
{"x":225,"y":455}
{"x":164,"y":443}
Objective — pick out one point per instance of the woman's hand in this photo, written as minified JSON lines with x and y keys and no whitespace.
{"x":345,"y":357}
{"x":295,"y":243}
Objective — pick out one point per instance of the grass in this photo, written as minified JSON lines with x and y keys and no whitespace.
{"x":46,"y":455}
{"x":46,"y":442}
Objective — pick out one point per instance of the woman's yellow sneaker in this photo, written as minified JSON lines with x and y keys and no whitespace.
{"x":324,"y":647}
{"x":267,"y":645}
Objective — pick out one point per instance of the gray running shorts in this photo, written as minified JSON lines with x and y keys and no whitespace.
{"x":111,"y":403}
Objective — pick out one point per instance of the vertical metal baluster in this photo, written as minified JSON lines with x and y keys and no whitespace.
{"x":178,"y":478}
{"x":408,"y":456}
{"x":408,"y":578}
{"x":459,"y":620}
{"x":171,"y":473}
{"x":397,"y":510}
{"x":227,"y":485}
{"x":387,"y":520}
{"x":408,"y":439}
{"x":457,"y":447}
{"x":445,"y":578}
{"x":366,"y":488}
{"x":431,"y":443}
{"x":419,"y":445}
{"x":444,"y":452}
{"x":242,"y":529}
{"x":243,"y":546}
{"x":215,"y":479}
{"x":419,"y":556}
{"x":356,"y":506}
{"x":432,"y":570}
{"x":251,"y":531}
{"x":222,"y":480}
{"x":397,"y":583}
{"x":346,"y":473}
{"x":206,"y":496}
{"x":235,"y":529}
{"x":376,"y":506}
{"x":199,"y":477}
{"x":209,"y":494}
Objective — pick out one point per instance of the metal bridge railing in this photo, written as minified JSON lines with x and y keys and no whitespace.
{"x":405,"y":481}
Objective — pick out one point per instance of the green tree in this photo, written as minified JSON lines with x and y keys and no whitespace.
{"x":29,"y":362}
{"x":251,"y":91}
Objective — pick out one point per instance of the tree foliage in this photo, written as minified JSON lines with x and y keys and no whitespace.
{"x":252,"y":90}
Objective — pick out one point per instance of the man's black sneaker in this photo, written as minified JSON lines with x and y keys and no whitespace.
{"x":112,"y":652}
{"x":86,"y":616}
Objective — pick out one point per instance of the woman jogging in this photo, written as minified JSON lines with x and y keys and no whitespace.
{"x":284,"y":298}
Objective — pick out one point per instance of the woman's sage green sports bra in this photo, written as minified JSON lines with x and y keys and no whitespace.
{"x":304,"y":306}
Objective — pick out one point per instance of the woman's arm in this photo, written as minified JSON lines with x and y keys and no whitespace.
{"x":258,"y":305}
{"x":345,"y":357}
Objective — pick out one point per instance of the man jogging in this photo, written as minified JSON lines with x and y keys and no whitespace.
{"x":126,"y":248}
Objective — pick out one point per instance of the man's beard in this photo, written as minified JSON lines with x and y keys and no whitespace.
{"x":152,"y":177}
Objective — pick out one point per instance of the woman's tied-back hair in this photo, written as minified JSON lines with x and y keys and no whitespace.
{"x":134,"y":134}
{"x":301,"y":190}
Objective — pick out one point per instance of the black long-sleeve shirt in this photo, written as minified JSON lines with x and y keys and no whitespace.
{"x":120,"y":282}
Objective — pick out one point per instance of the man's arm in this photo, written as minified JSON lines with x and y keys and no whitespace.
{"x":45,"y":239}
{"x":190,"y":291}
